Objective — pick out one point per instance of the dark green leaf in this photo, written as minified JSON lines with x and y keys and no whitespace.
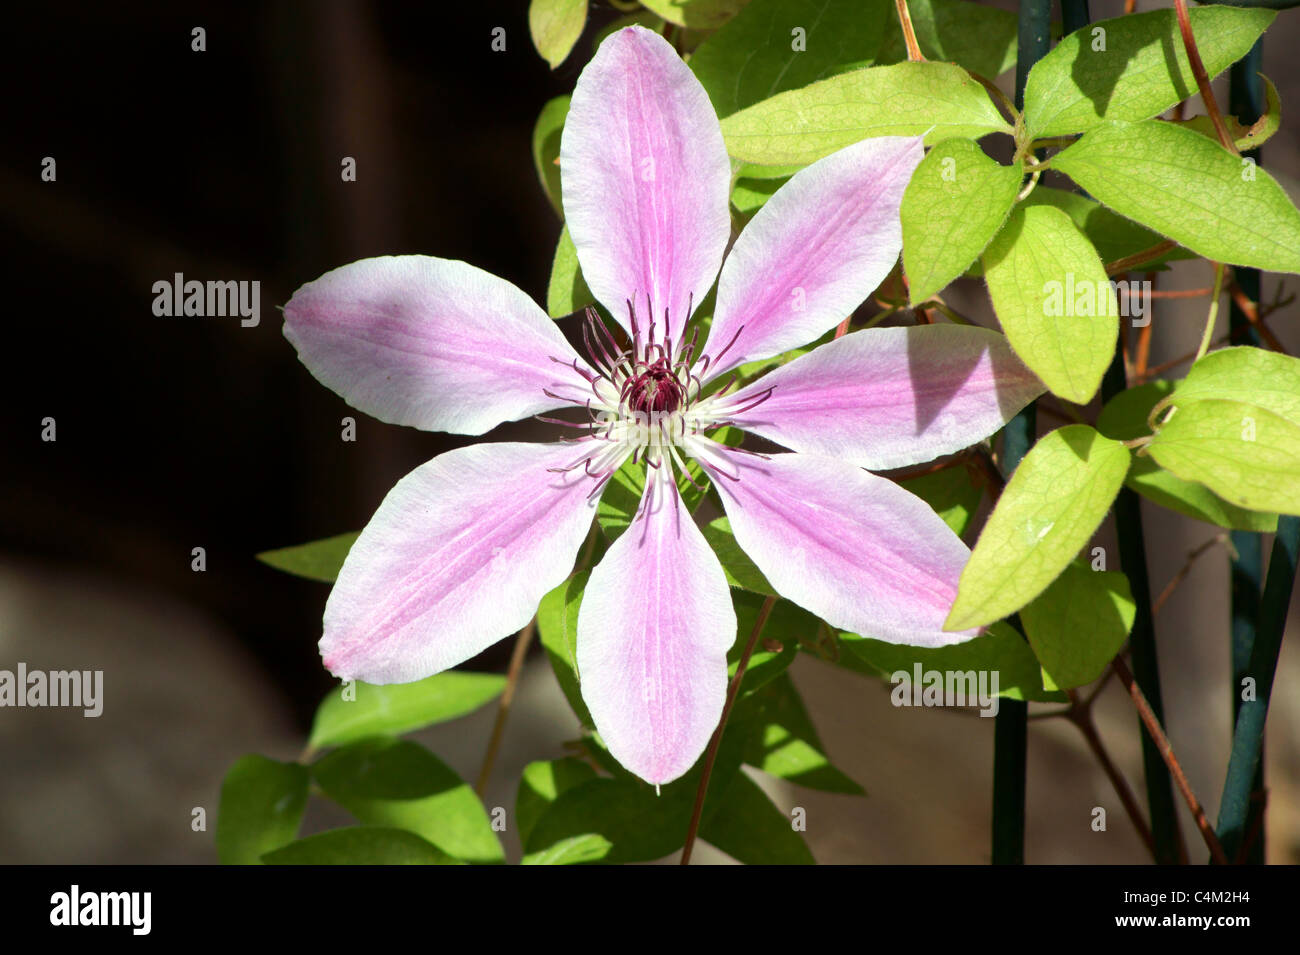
{"x":750,"y":828}
{"x":541,"y":784}
{"x":980,"y":38}
{"x":360,"y":845}
{"x":953,"y":492}
{"x":262,"y":803}
{"x":788,"y":746}
{"x":776,"y":45}
{"x":546,"y":149}
{"x":1000,"y":650}
{"x":557,"y":627}
{"x":319,"y":560}
{"x":400,"y":784}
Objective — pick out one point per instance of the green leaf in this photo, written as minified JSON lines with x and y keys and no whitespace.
{"x":751,"y":829}
{"x":638,"y":825}
{"x":557,"y":627}
{"x":952,"y":492}
{"x":1125,"y":418}
{"x":1141,"y":71}
{"x":956,"y":202}
{"x":567,"y":291}
{"x":759,"y":54}
{"x":400,"y":707}
{"x":980,"y":38}
{"x":1078,"y":624}
{"x":1049,"y":510}
{"x":906,"y":99}
{"x":262,"y":803}
{"x":555,"y":26}
{"x":740,"y":570}
{"x":1242,"y":452}
{"x":788,"y":746}
{"x":999,"y":650}
{"x":1190,"y":189}
{"x":541,"y":784}
{"x":572,"y":851}
{"x":696,"y":14}
{"x":753,"y":171}
{"x":1113,"y":236}
{"x":319,"y":560}
{"x":359,"y":845}
{"x":1255,"y":376}
{"x":749,"y":195}
{"x":546,"y":150}
{"x":400,"y":784}
{"x":1054,"y":300}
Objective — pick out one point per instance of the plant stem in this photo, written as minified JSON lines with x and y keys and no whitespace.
{"x":1137,"y":258}
{"x":1133,"y":561}
{"x":503,"y":709}
{"x":1010,"y":728}
{"x":1183,"y":571}
{"x":1011,"y":725}
{"x":1248,"y":736}
{"x":909,"y":32}
{"x":1246,"y":102}
{"x":1157,"y":734}
{"x":1033,"y":40}
{"x":1074,"y":15}
{"x":697,"y":812}
{"x":1202,"y":79}
{"x":1081,"y":716}
{"x":1208,"y":335}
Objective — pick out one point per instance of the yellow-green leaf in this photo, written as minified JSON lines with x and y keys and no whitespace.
{"x":1053,"y":299}
{"x":1132,"y":67}
{"x":956,"y":202}
{"x":905,"y":99}
{"x":1190,"y":189}
{"x":1244,"y":453}
{"x":1047,"y":513}
{"x":555,"y":26}
{"x":1078,"y":624}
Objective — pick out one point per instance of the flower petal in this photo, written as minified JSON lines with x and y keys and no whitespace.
{"x":459,"y":555}
{"x":889,"y":397}
{"x":653,"y":633}
{"x":645,"y":178}
{"x":854,"y":548}
{"x":432,"y":343}
{"x":813,"y":253}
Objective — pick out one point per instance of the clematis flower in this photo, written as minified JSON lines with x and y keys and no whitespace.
{"x":463,"y":548}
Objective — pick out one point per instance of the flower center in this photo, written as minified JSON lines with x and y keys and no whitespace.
{"x":646,"y":397}
{"x":655,"y":390}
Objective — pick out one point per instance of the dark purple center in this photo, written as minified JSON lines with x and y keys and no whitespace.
{"x":655,"y":389}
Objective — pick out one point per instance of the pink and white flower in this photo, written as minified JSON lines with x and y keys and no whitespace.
{"x":463,"y":548}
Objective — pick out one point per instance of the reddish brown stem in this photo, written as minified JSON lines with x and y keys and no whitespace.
{"x":733,"y":691}
{"x":1081,"y":716}
{"x":1202,"y":79}
{"x":1167,"y":753}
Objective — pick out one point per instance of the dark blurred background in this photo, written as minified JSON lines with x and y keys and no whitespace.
{"x":175,"y":433}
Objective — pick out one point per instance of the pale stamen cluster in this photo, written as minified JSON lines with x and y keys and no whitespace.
{"x":646,"y":397}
